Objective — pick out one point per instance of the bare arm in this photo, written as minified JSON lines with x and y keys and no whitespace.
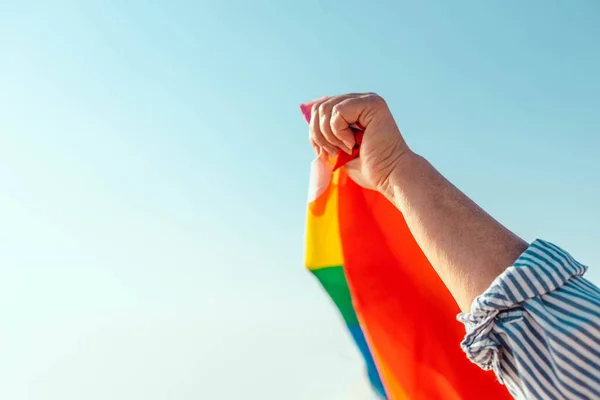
{"x":466,"y":246}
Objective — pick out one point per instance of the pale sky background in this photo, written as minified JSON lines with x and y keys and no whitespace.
{"x":153,"y":172}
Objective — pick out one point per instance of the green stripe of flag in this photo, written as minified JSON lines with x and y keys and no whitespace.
{"x":334,"y":281}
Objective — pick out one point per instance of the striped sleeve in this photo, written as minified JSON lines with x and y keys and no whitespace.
{"x":538,"y":327}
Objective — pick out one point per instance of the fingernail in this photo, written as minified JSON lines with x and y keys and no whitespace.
{"x":349,"y":144}
{"x":332,"y":151}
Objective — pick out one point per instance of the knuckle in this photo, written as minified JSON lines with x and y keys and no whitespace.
{"x":315,"y":110}
{"x":337,"y":121}
{"x":376,"y":99}
{"x":337,"y":110}
{"x":324,"y":110}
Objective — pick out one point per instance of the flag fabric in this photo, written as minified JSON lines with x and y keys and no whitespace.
{"x":398,"y":311}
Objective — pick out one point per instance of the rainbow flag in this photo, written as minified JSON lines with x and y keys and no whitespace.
{"x":399,"y":313}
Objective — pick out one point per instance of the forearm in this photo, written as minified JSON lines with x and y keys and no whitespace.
{"x":466,"y":246}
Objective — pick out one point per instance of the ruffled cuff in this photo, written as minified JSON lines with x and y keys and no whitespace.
{"x":541,"y":269}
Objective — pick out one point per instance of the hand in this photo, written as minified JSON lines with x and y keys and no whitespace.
{"x":382,"y":146}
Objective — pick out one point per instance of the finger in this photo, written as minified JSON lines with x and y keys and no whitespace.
{"x":316,"y":148}
{"x":340,"y":139}
{"x":315,"y":130}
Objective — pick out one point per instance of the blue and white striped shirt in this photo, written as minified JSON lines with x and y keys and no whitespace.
{"x":538,"y":327}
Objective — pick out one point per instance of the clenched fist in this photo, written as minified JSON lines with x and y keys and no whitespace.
{"x":382,"y":146}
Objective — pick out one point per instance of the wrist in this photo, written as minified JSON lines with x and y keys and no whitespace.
{"x":399,"y":174}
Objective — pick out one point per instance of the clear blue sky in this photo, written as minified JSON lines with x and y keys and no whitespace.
{"x":153,"y":172}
